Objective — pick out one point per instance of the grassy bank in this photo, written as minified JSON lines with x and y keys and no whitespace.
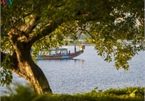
{"x":22,"y":93}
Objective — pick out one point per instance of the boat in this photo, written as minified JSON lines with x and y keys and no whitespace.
{"x":61,"y":53}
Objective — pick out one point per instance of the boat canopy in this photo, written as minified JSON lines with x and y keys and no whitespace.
{"x":59,"y":51}
{"x":55,"y":49}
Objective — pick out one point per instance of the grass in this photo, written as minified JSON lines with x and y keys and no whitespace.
{"x":23,"y":93}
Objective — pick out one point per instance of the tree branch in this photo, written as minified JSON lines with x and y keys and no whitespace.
{"x":28,"y":27}
{"x":49,"y":28}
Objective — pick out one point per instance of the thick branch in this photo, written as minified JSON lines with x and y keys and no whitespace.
{"x":28,"y":27}
{"x":49,"y":28}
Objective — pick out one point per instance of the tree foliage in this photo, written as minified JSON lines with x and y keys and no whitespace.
{"x":42,"y":24}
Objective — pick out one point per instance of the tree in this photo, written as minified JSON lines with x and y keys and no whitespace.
{"x":36,"y":25}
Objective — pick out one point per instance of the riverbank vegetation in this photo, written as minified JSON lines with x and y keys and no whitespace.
{"x":24,"y":93}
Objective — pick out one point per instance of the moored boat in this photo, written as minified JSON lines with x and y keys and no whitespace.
{"x":61,"y":53}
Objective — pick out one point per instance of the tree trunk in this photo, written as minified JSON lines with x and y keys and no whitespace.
{"x":24,"y":64}
{"x":33,"y":73}
{"x":29,"y":70}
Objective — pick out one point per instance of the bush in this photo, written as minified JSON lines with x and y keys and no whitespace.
{"x":24,"y":93}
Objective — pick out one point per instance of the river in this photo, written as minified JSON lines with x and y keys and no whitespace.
{"x":87,"y":71}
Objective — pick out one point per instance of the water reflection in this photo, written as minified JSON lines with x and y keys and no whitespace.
{"x":81,"y":60}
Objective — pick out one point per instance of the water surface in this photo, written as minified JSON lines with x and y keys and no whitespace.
{"x":87,"y":71}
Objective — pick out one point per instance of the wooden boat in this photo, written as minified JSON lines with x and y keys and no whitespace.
{"x":61,"y":53}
